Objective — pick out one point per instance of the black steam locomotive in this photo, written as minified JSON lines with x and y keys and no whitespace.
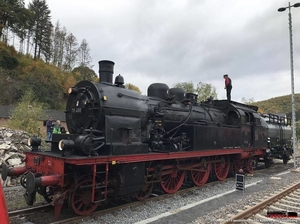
{"x":122,"y":143}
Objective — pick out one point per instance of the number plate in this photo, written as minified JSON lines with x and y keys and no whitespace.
{"x":36,"y":161}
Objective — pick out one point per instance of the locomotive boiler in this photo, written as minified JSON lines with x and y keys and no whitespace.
{"x":121,"y":143}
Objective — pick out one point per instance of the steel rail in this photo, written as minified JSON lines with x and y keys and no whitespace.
{"x":16,"y":213}
{"x":260,"y":206}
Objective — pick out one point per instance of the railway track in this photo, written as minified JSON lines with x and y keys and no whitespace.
{"x":283,"y":206}
{"x":14,"y":214}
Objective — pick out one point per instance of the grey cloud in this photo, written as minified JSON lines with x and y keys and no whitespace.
{"x":192,"y":40}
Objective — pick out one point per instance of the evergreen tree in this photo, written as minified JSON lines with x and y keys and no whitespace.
{"x":41,"y":27}
{"x":12,"y":15}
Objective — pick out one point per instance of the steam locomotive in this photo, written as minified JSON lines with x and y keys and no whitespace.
{"x":121,"y":143}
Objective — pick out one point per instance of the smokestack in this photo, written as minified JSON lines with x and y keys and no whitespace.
{"x":106,"y":71}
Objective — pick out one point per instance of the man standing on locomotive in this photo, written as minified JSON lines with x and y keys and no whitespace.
{"x":228,"y":86}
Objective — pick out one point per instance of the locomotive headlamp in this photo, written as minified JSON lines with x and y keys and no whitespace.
{"x":34,"y":142}
{"x":73,"y":90}
{"x":65,"y":144}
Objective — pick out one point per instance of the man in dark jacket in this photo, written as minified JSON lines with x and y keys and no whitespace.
{"x":49,"y":126}
{"x":228,"y":86}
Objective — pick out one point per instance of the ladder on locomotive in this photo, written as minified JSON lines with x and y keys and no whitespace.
{"x":99,"y":185}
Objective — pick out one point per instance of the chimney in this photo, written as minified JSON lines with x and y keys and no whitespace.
{"x":106,"y":71}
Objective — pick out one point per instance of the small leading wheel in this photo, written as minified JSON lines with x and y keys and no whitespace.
{"x":222,"y":167}
{"x":200,"y":174}
{"x":81,"y":198}
{"x":172,"y":179}
{"x":145,"y":192}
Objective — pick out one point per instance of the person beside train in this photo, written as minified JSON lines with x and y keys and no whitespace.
{"x":228,"y":86}
{"x":57,"y":128}
{"x":49,"y":127}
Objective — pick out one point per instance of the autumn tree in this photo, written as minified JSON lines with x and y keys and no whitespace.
{"x":85,"y":73}
{"x":46,"y":83}
{"x":84,"y":57}
{"x":187,"y":86}
{"x":133,"y":87}
{"x":70,"y":52}
{"x":203,"y":90}
{"x":59,"y":40}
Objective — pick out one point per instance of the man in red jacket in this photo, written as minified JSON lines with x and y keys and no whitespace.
{"x":228,"y":86}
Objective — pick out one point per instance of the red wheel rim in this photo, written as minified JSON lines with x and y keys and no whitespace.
{"x":145,"y":192}
{"x":222,"y":168}
{"x":172,"y":180}
{"x":200,"y":177}
{"x":81,"y":198}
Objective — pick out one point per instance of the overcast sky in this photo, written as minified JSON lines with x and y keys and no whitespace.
{"x":173,"y":41}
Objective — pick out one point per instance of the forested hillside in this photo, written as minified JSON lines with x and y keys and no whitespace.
{"x":280,"y":104}
{"x":20,"y":73}
{"x":37,"y":56}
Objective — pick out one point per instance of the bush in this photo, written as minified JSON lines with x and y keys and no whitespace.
{"x":7,"y":61}
{"x":28,"y":114}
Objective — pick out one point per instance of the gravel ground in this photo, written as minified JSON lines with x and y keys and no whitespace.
{"x":270,"y":185}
